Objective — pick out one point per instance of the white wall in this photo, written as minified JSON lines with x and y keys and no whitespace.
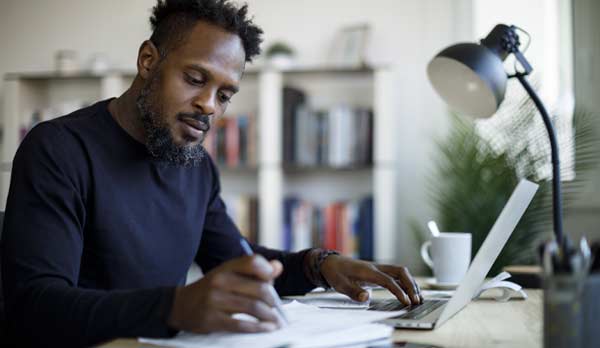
{"x":32,"y":30}
{"x":584,"y":218}
{"x":550,"y":52}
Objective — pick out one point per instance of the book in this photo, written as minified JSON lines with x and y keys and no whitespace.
{"x":232,"y":142}
{"x":293,"y":98}
{"x":221,"y":146}
{"x":306,"y":137}
{"x":242,"y":122}
{"x":365,"y":226}
{"x":301,"y":226}
{"x":322,"y":138}
{"x":254,"y":220}
{"x":244,"y":210}
{"x":252,"y":138}
{"x":288,"y":210}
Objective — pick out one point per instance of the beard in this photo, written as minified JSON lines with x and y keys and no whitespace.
{"x":159,"y":138}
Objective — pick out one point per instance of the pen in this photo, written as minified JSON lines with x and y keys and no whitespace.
{"x":278,"y":305}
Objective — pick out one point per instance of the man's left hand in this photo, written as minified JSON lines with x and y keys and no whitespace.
{"x":346,"y":275}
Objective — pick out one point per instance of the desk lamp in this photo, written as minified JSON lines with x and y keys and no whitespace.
{"x":471,"y":79}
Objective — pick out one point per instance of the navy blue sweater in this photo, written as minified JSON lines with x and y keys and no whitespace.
{"x":98,"y":234}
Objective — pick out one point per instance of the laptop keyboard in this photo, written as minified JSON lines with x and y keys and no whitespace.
{"x":414,"y":312}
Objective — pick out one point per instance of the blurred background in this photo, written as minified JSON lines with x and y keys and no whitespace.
{"x":337,"y":138}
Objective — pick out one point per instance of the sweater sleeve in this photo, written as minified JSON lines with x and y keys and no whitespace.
{"x":42,"y":245}
{"x":221,"y":242}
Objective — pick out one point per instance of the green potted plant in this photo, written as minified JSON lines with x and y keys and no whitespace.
{"x":280,"y":54}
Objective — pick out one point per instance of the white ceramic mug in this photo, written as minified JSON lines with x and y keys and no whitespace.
{"x":449,"y":255}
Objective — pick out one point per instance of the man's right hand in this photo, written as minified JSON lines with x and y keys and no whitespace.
{"x":237,"y":286}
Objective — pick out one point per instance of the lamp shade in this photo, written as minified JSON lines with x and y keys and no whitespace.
{"x":470,"y":78}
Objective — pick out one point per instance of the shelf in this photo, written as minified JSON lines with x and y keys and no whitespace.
{"x":298,"y":169}
{"x":342,"y":71}
{"x":251,"y":70}
{"x":319,"y":69}
{"x":79,"y":75}
{"x":224,"y":169}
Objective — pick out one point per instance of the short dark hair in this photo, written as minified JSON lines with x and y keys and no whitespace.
{"x":171,"y":21}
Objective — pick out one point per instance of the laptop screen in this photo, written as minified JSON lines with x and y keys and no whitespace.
{"x":490,"y":249}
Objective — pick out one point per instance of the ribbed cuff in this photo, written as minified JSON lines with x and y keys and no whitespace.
{"x":166,"y":308}
{"x":154,"y":324}
{"x":294,"y":280}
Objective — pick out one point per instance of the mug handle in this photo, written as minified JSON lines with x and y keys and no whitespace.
{"x":425,"y":254}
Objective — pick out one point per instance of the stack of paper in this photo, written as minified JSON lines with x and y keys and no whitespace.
{"x":332,"y":299}
{"x":310,"y":326}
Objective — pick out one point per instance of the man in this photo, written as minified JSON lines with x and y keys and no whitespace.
{"x":110,"y":205}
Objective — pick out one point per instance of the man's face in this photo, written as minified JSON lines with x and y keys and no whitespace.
{"x":191,"y":86}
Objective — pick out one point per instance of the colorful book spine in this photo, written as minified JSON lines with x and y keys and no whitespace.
{"x":232,"y":142}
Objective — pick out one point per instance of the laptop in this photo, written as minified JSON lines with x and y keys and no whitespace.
{"x":433,"y":313}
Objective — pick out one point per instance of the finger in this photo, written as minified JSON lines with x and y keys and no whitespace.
{"x":227,"y":323}
{"x":277,"y":268}
{"x":409,"y":283}
{"x":406,"y":280}
{"x":246,"y":286}
{"x":373,"y":275}
{"x":233,"y":303}
{"x":254,"y":266}
{"x":352,"y":290}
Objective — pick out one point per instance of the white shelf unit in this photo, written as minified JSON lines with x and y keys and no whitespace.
{"x":28,"y":92}
{"x":324,"y":88}
{"x":261,"y":92}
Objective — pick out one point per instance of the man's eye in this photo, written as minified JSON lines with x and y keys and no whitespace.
{"x":224,"y":98}
{"x":194,"y":81}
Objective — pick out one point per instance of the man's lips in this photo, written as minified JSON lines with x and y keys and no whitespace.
{"x":201,"y":126}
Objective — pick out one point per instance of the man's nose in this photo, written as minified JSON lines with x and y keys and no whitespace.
{"x":205,"y":102}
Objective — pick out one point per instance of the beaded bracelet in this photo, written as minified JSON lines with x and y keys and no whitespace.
{"x":323,"y":254}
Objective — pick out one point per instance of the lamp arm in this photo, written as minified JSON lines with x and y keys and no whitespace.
{"x":556,"y":193}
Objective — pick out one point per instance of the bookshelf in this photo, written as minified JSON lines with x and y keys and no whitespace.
{"x":270,"y":179}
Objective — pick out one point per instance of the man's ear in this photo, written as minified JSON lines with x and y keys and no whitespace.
{"x":148,"y":59}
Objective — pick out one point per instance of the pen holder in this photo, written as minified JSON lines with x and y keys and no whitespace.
{"x":591,"y":308}
{"x":563,"y":311}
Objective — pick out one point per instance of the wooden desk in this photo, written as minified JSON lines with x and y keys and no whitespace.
{"x":487,"y":323}
{"x":483,"y":323}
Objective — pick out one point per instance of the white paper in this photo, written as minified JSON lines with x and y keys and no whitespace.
{"x":437,"y":294}
{"x":508,"y":289}
{"x":310,"y":326}
{"x":334,"y":300}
